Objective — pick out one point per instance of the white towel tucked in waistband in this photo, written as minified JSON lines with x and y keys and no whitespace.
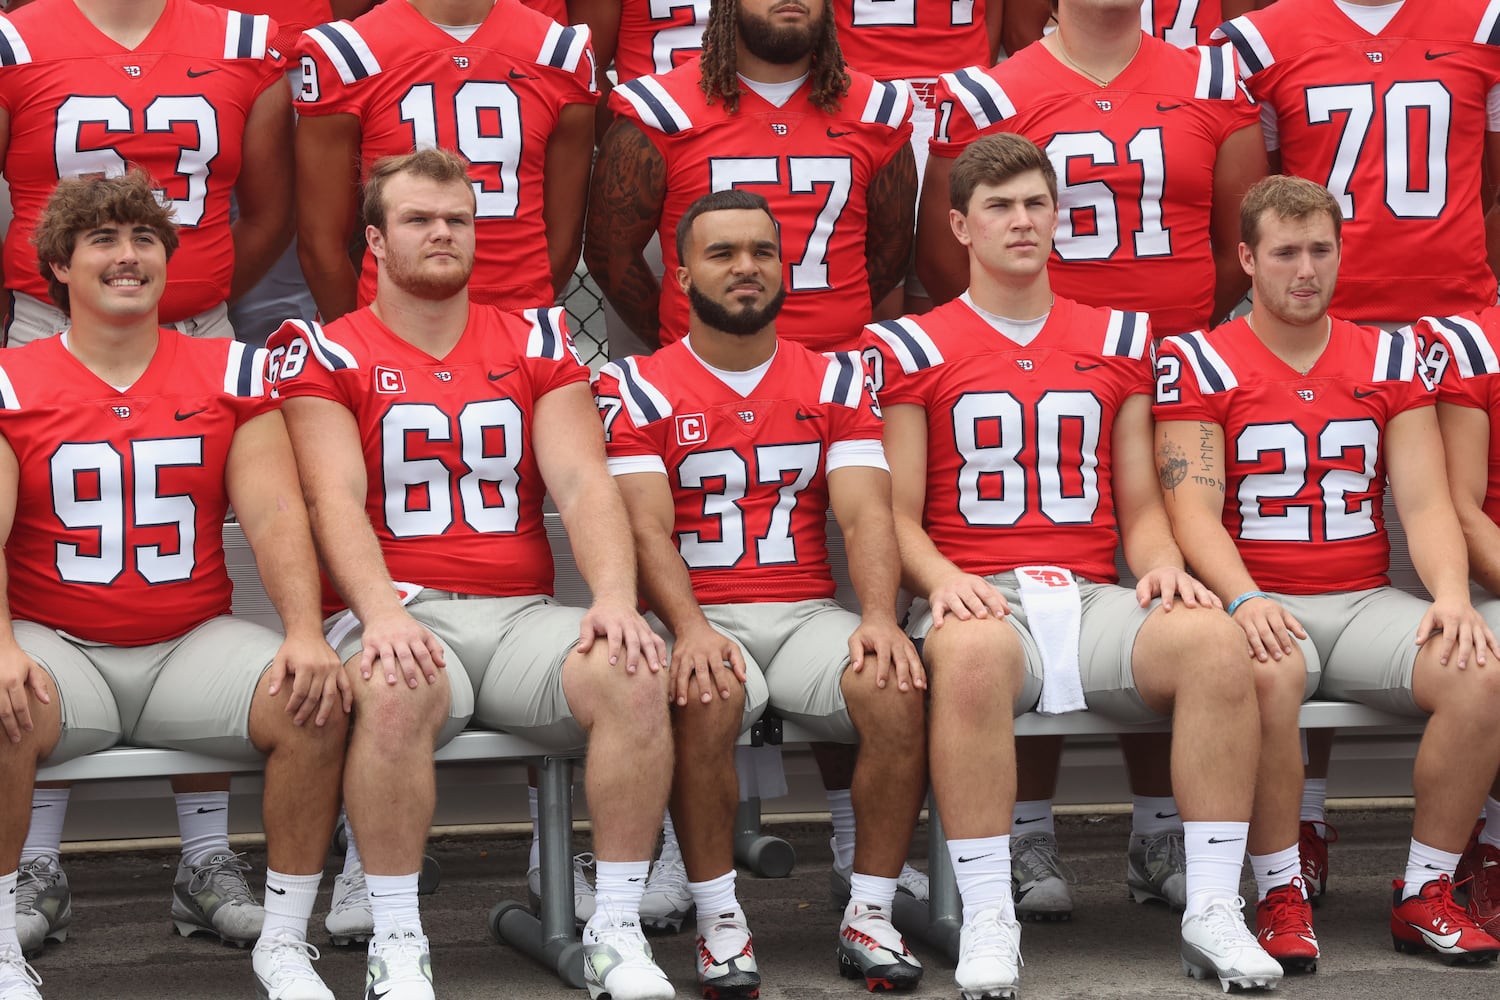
{"x":348,"y":622}
{"x":1050,"y":598}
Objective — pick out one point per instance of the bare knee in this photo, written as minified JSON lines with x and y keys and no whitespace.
{"x":881,"y":709}
{"x":601,"y":692}
{"x":975,"y":665}
{"x":401,"y":715}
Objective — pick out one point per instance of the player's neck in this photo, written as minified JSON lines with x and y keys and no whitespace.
{"x":1297,"y":345}
{"x":454,"y":12}
{"x":1012,"y":298}
{"x":127,"y":22}
{"x":1097,"y":45}
{"x":118,"y":353}
{"x":729,"y":352}
{"x":751,"y":67}
{"x":429,"y":325}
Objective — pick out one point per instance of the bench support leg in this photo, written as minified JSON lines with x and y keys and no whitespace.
{"x":937,"y":922}
{"x":766,"y":856}
{"x":551,"y":940}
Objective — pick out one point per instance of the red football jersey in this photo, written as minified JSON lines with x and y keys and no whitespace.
{"x":1305,"y":462}
{"x":291,"y":16}
{"x":1183,"y":23}
{"x":455,"y":495}
{"x":1018,"y":437}
{"x":495,"y":100}
{"x":1127,"y":236}
{"x":657,"y":36}
{"x":1463,"y":357}
{"x":814,"y":168}
{"x":176,"y":105}
{"x":1394,"y":125}
{"x":557,"y":10}
{"x":118,"y":534}
{"x":748,"y":473}
{"x":911,"y":39}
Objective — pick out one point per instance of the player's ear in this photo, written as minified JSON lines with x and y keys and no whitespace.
{"x":1247,"y":259}
{"x":959,"y":223}
{"x":375,"y":240}
{"x":60,"y":271}
{"x":683,"y":279}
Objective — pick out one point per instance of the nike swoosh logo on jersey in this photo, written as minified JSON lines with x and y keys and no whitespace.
{"x":1443,"y":942}
{"x":191,"y":413}
{"x":516,"y":75}
{"x":497,"y":376}
{"x":1224,"y":840}
{"x":210,"y":809}
{"x":1431,"y":55}
{"x":808,"y":416}
{"x":963,"y":860}
{"x":1363,"y":393}
{"x":195,"y":73}
{"x":1079,"y":366}
{"x":1167,"y":107}
{"x":838,"y":135}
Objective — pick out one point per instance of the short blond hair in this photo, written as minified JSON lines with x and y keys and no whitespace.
{"x":995,"y":159}
{"x":438,"y":165}
{"x":1289,"y":198}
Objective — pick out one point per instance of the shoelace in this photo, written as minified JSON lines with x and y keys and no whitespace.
{"x":1042,"y":854}
{"x":355,"y":891}
{"x":288,"y":953}
{"x":877,"y":924}
{"x":13,"y":962}
{"x":992,"y":938}
{"x":32,"y":879}
{"x":1442,"y":901}
{"x":1286,"y":916}
{"x":1173,"y":859}
{"x":668,"y":876}
{"x":1225,"y":923}
{"x":402,"y":953}
{"x":581,"y":864}
{"x":235,"y":885}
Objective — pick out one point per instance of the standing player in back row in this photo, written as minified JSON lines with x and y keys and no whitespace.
{"x":507,"y":88}
{"x":770,"y":107}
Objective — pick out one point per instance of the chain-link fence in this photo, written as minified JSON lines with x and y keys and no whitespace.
{"x":585,"y":306}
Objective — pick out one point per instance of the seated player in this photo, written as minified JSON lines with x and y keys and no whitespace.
{"x":1018,"y":428}
{"x":124,"y":443}
{"x":729,"y":447}
{"x":426,"y":430}
{"x":1276,"y":435}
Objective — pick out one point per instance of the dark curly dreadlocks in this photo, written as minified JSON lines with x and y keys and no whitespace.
{"x":829,"y":80}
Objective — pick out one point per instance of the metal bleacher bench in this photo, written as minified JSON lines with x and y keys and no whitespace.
{"x":551,"y":938}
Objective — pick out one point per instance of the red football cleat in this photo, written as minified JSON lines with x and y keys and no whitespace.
{"x":1469,"y":861}
{"x":1313,"y":847}
{"x":1283,"y":926}
{"x":1432,"y":921}
{"x":1484,"y":889}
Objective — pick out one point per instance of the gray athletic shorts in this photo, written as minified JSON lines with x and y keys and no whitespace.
{"x":1363,"y":642}
{"x":795,"y":655}
{"x":189,"y":693}
{"x":32,"y":319}
{"x":1109,"y":621}
{"x":504,"y":660}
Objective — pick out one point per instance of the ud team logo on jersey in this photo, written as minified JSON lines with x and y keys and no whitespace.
{"x":1306,"y":395}
{"x":1105,"y":105}
{"x":691,"y":429}
{"x":462,"y":62}
{"x":132,"y":70}
{"x":748,"y":416}
{"x":389,"y":381}
{"x":123,"y":412}
{"x":1025,"y":364}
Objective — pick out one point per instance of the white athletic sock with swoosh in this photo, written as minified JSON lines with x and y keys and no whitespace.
{"x":1152,"y":815}
{"x":203,"y":822}
{"x":619,"y":885}
{"x":289,"y":904}
{"x":1277,"y":869}
{"x":1215,"y":857}
{"x":49,"y":808}
{"x":1034,"y":816}
{"x":1423,"y":864}
{"x":981,"y":867}
{"x":393,"y":904}
{"x":9,"y":941}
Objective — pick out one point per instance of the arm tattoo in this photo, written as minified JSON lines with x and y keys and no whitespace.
{"x":891,"y":219}
{"x":625,"y":206}
{"x":1206,"y":445}
{"x":1171,"y":466}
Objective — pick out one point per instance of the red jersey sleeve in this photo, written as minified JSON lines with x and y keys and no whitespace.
{"x":894,"y":379}
{"x":1460,"y":356}
{"x":629,"y":431}
{"x":1179,"y":390}
{"x":550,"y":352}
{"x":294,"y":370}
{"x":858,"y":416}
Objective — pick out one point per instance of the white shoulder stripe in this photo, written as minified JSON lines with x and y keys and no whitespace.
{"x":654,"y":105}
{"x":1213,"y":373}
{"x":1489,"y":25}
{"x":245,"y":35}
{"x":13,"y":50}
{"x":643,"y":401}
{"x":1468,"y":345}
{"x":983,"y":98}
{"x":1216,"y":74}
{"x":330,"y":354}
{"x":843,"y":380}
{"x":1255,"y":54}
{"x":564,"y":46}
{"x":1127,"y":335}
{"x":888,"y":104}
{"x":909,"y":343}
{"x":1395,"y":356}
{"x":8,"y":400}
{"x":549,"y":333}
{"x":344,"y":47}
{"x":245,"y":371}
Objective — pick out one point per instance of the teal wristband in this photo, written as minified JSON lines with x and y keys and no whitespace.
{"x":1246,"y":596}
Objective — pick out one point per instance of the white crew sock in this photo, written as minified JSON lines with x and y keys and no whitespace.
{"x":351,"y":849}
{"x":289,"y":904}
{"x":203,"y":822}
{"x":534,"y":859}
{"x":669,"y":843}
{"x":1423,"y":864}
{"x":841,"y":805}
{"x":1215,"y":856}
{"x":714,"y":899}
{"x":49,"y":808}
{"x":872,"y":890}
{"x":1034,"y":816}
{"x":1152,"y":816}
{"x":1274,"y":870}
{"x":1490,"y":834}
{"x":1314,"y":800}
{"x":9,"y":940}
{"x":618,"y":886}
{"x":981,"y":867}
{"x":393,"y":904}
